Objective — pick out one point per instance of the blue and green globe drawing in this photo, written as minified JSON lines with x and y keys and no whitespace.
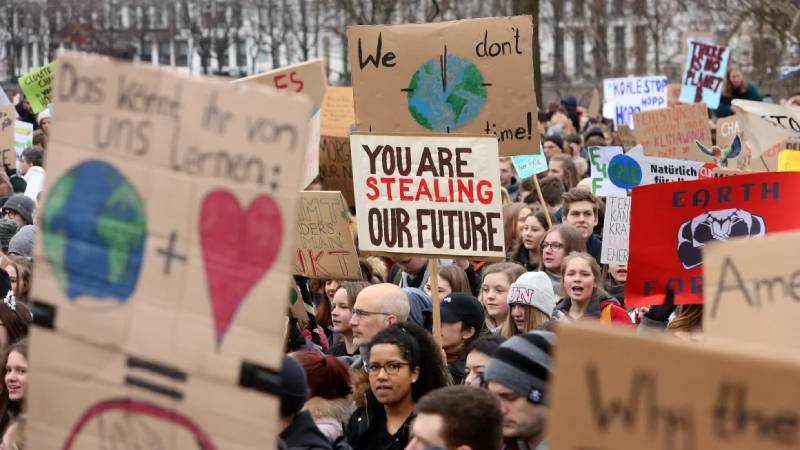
{"x":446,"y":103}
{"x":94,"y":229}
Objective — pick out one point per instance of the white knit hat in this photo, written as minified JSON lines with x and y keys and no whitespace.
{"x":533,"y":289}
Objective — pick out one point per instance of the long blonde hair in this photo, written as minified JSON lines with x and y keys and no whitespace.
{"x":533,"y":320}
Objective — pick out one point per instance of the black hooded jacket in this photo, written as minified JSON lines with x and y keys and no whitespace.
{"x":302,"y":434}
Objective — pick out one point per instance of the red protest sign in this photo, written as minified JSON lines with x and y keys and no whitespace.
{"x":666,"y":247}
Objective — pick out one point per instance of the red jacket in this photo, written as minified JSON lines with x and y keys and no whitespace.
{"x":599,"y":304}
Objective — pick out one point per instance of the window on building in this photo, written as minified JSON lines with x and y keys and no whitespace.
{"x":640,"y":7}
{"x":580,"y":60}
{"x":147,"y":52}
{"x":164,"y":53}
{"x":241,"y":53}
{"x":180,"y":20}
{"x":619,"y":6}
{"x":619,"y":50}
{"x":578,"y":7}
{"x":182,"y":54}
{"x":558,"y":66}
{"x":640,"y":35}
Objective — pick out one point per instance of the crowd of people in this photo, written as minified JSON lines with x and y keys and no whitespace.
{"x":375,"y":377}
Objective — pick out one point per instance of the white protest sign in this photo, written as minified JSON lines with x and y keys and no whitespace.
{"x":766,"y":124}
{"x":527,"y":166}
{"x":634,"y":168}
{"x":428,"y":195}
{"x":616,"y":230}
{"x":623,"y":97}
{"x":599,"y":158}
{"x":23,"y":138}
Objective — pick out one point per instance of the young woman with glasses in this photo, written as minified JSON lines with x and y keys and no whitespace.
{"x":404,"y":364}
{"x":558,"y":242}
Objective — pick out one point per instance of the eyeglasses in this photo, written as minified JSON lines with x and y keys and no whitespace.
{"x":391,"y":367}
{"x":553,"y":245}
{"x":9,"y":212}
{"x":364,"y":313}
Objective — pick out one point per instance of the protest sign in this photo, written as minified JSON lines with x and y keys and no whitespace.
{"x":671,"y":223}
{"x":626,"y":137}
{"x":4,"y":100}
{"x":615,"y":390}
{"x":599,"y":159}
{"x":7,"y":137}
{"x":527,"y":166}
{"x":594,"y":104}
{"x":766,"y":124}
{"x":613,"y":172}
{"x":751,"y":291}
{"x":789,"y":161}
{"x":467,"y":76}
{"x":673,"y":95}
{"x":200,"y":181}
{"x":428,"y":195}
{"x":23,"y":138}
{"x":727,"y":129}
{"x":699,"y":36}
{"x":336,"y":119}
{"x":704,"y":73}
{"x":624,"y":97}
{"x":616,"y":226}
{"x":309,"y":79}
{"x":672,"y":132}
{"x":37,"y":86}
{"x":325,"y":248}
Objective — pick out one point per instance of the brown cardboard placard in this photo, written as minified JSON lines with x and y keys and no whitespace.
{"x":628,"y":392}
{"x":7,"y":145}
{"x":626,"y":137}
{"x":325,"y":247}
{"x":337,"y":114}
{"x":594,"y":104}
{"x":335,"y":168}
{"x":468,"y":76}
{"x":702,"y":36}
{"x":428,"y":195}
{"x":167,"y":225}
{"x":673,"y":95}
{"x":727,"y":129}
{"x":750,"y":290}
{"x":672,"y":132}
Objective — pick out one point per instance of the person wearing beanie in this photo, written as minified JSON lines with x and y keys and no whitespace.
{"x":531,"y":301}
{"x":299,"y":430}
{"x":518,"y":373}
{"x":22,"y":242}
{"x":462,"y":320}
{"x":44,"y":119}
{"x":553,"y":144}
{"x":421,"y":307}
{"x":19,"y":208}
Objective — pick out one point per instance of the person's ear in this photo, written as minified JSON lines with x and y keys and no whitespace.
{"x":414,"y":374}
{"x":391,"y":319}
{"x":467,"y":333}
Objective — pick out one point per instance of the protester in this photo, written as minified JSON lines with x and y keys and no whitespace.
{"x":31,"y":164}
{"x":376,"y":307}
{"x":584,"y":298}
{"x":513,"y":217}
{"x":19,"y":208}
{"x":508,"y":179}
{"x":462,"y":321}
{"x":16,"y":377}
{"x":410,"y":271}
{"x":14,"y":436}
{"x":553,"y":193}
{"x":552,"y":144}
{"x":324,"y":308}
{"x":299,"y":432}
{"x":581,"y":211}
{"x":420,"y":308}
{"x":558,"y":242}
{"x":497,"y":279}
{"x":451,"y":279}
{"x":562,"y":166}
{"x":688,"y":323}
{"x":22,"y":242}
{"x":615,"y":282}
{"x":8,"y":228}
{"x":457,"y":418}
{"x":533,"y":231}
{"x":518,"y":373}
{"x":478,"y":353}
{"x":404,"y":365}
{"x":25,"y":112}
{"x":328,"y":401}
{"x":15,"y":316}
{"x":532,"y":301}
{"x":343,"y":301}
{"x":735,"y":87}
{"x":39,"y":139}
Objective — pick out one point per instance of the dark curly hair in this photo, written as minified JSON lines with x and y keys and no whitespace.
{"x":419,"y":349}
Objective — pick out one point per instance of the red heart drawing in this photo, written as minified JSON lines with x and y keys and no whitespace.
{"x":238,"y":249}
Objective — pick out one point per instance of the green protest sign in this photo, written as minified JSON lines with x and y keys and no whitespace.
{"x":37,"y":86}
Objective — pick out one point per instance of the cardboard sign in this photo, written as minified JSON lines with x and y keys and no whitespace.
{"x":616,"y":226}
{"x":594,"y":104}
{"x":673,"y":95}
{"x":335,"y":168}
{"x":428,"y":195}
{"x":166,"y":232}
{"x":7,"y":137}
{"x":727,"y":129}
{"x":325,"y":248}
{"x":37,"y":86}
{"x":337,"y":114}
{"x":672,"y":132}
{"x":750,"y":290}
{"x":23,"y":138}
{"x":599,"y":160}
{"x":309,"y":79}
{"x":628,"y":392}
{"x":704,"y":73}
{"x":624,"y":97}
{"x":766,"y":124}
{"x":789,"y":161}
{"x":468,"y":76}
{"x":699,"y":36}
{"x":626,"y":137}
{"x":671,"y":223}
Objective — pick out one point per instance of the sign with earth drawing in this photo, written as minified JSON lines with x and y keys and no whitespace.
{"x":167,"y":227}
{"x":468,"y":76}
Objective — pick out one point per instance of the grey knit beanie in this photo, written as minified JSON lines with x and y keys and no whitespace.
{"x":8,"y":228}
{"x":22,"y":205}
{"x":533,"y":289}
{"x":22,"y":242}
{"x":522,"y":364}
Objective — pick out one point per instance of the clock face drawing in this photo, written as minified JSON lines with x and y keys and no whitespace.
{"x":446,"y":93}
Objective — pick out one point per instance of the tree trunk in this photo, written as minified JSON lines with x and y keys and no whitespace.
{"x":531,"y":7}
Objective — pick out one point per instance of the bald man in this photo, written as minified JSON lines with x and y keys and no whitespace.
{"x":376,"y":307}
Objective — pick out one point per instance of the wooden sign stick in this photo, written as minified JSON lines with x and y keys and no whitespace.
{"x":541,"y":200}
{"x":433,"y":279}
